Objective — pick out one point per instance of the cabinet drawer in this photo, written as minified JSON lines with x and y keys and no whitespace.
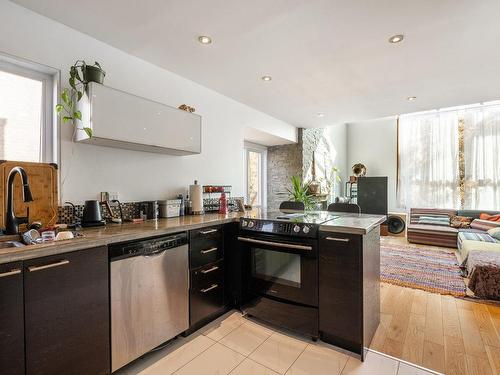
{"x":206,"y":300}
{"x":11,"y":319}
{"x":205,"y":251}
{"x":212,"y":273}
{"x":207,"y":232}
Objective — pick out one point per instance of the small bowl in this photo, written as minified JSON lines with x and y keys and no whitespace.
{"x":66,"y":235}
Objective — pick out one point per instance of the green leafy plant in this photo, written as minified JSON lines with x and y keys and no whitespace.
{"x":299,"y":193}
{"x":67,"y":109}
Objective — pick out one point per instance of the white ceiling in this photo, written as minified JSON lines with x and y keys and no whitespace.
{"x":328,"y":56}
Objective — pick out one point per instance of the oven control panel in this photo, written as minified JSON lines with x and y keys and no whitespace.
{"x":279,"y":227}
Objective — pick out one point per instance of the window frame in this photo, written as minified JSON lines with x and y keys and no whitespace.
{"x":50,"y":78}
{"x":262,"y":150}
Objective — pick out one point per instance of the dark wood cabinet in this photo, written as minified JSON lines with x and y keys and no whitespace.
{"x":206,"y":264}
{"x":67,"y":313}
{"x":349,"y":294}
{"x":11,"y":319}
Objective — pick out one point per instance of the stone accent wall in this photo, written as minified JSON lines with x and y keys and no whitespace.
{"x":283,"y":162}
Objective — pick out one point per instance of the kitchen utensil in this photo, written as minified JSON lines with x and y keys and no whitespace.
{"x":31,"y":237}
{"x":48,"y":236}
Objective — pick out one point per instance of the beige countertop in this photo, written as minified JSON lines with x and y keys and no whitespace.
{"x":114,"y":233}
{"x":353,"y":223}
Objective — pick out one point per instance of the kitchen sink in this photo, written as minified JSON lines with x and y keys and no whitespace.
{"x":9,"y":244}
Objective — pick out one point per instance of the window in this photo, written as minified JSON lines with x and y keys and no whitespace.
{"x":255,"y":162}
{"x":450,"y":158}
{"x":26,"y":112}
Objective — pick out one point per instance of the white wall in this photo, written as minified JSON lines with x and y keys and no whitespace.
{"x":337,"y":134}
{"x":85,"y":169}
{"x":374,"y":143}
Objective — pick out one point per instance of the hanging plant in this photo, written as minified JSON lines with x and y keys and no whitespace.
{"x":80,"y":74}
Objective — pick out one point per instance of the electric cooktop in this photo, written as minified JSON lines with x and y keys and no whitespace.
{"x":297,"y":224}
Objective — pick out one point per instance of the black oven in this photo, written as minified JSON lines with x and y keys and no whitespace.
{"x":280,"y":280}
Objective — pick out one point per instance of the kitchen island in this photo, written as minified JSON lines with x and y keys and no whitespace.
{"x":71,"y":280}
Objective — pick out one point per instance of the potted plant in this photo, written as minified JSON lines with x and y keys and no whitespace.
{"x":300,"y":193}
{"x":80,"y":74}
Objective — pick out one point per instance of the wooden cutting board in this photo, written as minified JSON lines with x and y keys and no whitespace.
{"x":42,"y":178}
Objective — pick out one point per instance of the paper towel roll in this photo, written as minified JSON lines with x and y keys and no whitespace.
{"x":196,"y":196}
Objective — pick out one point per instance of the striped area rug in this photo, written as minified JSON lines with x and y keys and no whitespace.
{"x":433,"y":270}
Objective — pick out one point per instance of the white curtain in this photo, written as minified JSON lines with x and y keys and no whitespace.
{"x":482,"y":157}
{"x":428,"y":160}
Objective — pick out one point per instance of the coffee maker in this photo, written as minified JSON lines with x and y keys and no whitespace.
{"x":150,"y":209}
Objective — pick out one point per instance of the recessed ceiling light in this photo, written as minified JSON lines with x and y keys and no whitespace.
{"x":396,"y":38}
{"x":266,"y":78}
{"x":320,"y":114}
{"x":411,"y":98}
{"x":203,"y":39}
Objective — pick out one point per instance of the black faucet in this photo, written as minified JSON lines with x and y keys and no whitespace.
{"x":11,"y":221}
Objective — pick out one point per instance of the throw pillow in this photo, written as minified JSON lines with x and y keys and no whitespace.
{"x":484,"y":224}
{"x":434,"y":220}
{"x":461,"y":221}
{"x":485,"y":216}
{"x":495,"y":233}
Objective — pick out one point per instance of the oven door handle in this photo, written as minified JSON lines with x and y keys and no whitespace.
{"x":275,"y":244}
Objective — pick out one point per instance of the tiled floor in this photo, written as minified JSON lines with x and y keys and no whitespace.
{"x":238,"y":346}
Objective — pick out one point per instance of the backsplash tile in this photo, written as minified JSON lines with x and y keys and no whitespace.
{"x":131,"y":210}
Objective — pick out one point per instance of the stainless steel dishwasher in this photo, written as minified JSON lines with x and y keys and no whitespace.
{"x":149,"y":295}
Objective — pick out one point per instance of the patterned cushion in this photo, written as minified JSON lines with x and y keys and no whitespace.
{"x":474,"y":236}
{"x":484,"y":224}
{"x":461,"y":221}
{"x":485,"y":216}
{"x":415,"y":213}
{"x":495,"y":233}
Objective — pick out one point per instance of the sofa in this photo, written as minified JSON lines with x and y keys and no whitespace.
{"x":478,"y":246}
{"x":438,"y":234}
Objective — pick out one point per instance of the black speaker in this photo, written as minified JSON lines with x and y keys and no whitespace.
{"x":395,"y":224}
{"x":372,"y":195}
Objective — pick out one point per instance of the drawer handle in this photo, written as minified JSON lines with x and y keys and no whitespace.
{"x":337,"y":239}
{"x":15,"y":271}
{"x":209,"y":250}
{"x":210,"y":288}
{"x":214,"y":268}
{"x":208,"y":231}
{"x":51,"y":265}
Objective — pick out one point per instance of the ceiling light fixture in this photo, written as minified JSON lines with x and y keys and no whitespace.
{"x":266,"y":78}
{"x":411,"y":98}
{"x":396,"y":38}
{"x":320,"y":114}
{"x":203,"y":39}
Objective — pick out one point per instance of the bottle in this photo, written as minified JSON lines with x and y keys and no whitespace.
{"x":181,"y":208}
{"x":187,"y":206}
{"x":223,"y":204}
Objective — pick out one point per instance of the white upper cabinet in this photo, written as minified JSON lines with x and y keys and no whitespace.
{"x":122,"y":120}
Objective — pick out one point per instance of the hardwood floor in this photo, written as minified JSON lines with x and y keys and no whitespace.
{"x":442,"y":333}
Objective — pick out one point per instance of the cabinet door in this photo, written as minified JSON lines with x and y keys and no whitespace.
{"x":340,"y":290}
{"x":67,"y":313}
{"x":11,"y":319}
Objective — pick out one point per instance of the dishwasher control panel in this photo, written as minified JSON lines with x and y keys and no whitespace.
{"x":147,"y":247}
